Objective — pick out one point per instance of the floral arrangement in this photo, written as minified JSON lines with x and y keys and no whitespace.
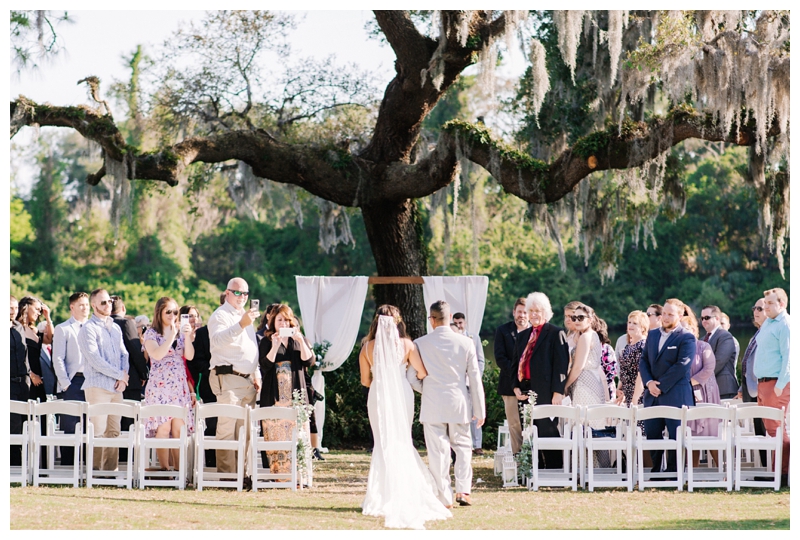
{"x":525,"y":457}
{"x":320,"y":351}
{"x":304,"y":409}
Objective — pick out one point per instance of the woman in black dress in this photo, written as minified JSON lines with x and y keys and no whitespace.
{"x":30,"y":311}
{"x":282,"y":360}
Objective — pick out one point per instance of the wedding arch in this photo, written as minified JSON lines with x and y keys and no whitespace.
{"x":331,"y":309}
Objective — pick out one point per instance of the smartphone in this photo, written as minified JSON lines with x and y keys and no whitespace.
{"x":286,"y":332}
{"x":254,"y":304}
{"x":184,"y":319}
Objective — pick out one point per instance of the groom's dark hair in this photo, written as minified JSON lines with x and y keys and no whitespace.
{"x":440,"y":310}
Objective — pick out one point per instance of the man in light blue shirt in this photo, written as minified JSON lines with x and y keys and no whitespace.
{"x":106,"y":372}
{"x":68,"y":363}
{"x":771,"y":365}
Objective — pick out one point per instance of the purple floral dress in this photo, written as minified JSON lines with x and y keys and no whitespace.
{"x":167,"y":384}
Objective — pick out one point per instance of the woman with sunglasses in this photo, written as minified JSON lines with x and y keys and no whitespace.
{"x":569,"y":311}
{"x":168,"y":344}
{"x":586,"y":382}
{"x":30,"y":311}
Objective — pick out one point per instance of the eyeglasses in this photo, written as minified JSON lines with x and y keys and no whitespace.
{"x":757,"y":308}
{"x":577,"y":318}
{"x":239,"y":293}
{"x":106,"y":302}
{"x":652,"y":314}
{"x":172,"y":312}
{"x":707,"y":317}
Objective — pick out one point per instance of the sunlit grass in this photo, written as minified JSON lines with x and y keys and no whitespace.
{"x":339,"y":485}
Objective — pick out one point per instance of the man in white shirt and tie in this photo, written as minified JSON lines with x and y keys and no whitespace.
{"x":234,"y":375}
{"x":68,"y":363}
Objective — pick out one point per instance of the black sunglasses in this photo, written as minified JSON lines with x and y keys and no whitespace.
{"x":577,"y":318}
{"x":240,"y":293}
{"x":707,"y":317}
{"x":172,"y":312}
{"x":652,"y":314}
{"x":757,"y":308}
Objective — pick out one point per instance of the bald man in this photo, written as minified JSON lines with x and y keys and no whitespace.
{"x":234,"y":376}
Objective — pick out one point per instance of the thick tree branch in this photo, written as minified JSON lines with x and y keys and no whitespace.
{"x":412,"y":94}
{"x":538,"y":182}
{"x":330,"y":173}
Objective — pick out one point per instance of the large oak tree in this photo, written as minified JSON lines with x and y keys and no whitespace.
{"x":724,"y":75}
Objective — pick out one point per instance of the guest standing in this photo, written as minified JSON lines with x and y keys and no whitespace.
{"x":30,"y":310}
{"x":505,"y":338}
{"x":68,"y":364}
{"x":476,"y":431}
{"x":704,"y":385}
{"x":19,"y":377}
{"x":235,"y":377}
{"x":724,"y":349}
{"x":608,"y":358}
{"x":630,"y":389}
{"x":168,"y":344}
{"x":282,"y":360}
{"x":106,"y":372}
{"x":748,"y":389}
{"x":543,"y":360}
{"x":586,"y":383}
{"x":772,"y":365}
{"x":654,"y":312}
{"x":664,"y":367}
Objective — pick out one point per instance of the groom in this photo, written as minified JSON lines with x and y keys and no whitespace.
{"x":446,"y":410}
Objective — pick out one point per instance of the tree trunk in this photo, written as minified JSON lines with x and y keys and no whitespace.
{"x":395,"y":235}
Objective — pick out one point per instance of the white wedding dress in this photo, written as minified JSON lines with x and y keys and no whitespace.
{"x":399,"y":487}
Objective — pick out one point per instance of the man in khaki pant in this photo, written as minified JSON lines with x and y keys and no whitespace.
{"x":234,"y":376}
{"x":105,"y":372}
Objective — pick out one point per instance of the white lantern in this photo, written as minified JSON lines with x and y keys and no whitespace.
{"x":509,"y":471}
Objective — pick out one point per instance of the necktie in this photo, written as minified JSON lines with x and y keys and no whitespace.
{"x":706,"y":337}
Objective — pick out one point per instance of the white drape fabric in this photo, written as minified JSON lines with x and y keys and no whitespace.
{"x":466,"y":294}
{"x":331,"y":309}
{"x":400,"y":487}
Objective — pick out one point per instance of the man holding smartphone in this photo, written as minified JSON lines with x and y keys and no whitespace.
{"x":234,"y":378}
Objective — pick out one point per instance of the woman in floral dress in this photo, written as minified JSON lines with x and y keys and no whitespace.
{"x":167,"y":384}
{"x":630,"y":389}
{"x":282,"y":360}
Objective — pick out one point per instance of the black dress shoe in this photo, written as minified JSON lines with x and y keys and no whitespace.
{"x":316,"y":455}
{"x":247,"y":483}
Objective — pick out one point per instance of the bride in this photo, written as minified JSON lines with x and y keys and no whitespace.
{"x":399,"y":487}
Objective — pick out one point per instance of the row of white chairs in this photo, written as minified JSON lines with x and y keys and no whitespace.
{"x":579,"y":443}
{"x":142,"y":468}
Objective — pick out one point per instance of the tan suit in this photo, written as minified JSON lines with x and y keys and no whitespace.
{"x":446,"y":411}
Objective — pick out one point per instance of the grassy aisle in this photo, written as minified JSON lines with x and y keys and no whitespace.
{"x":340,"y":483}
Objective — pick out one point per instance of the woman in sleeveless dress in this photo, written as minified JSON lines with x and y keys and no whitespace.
{"x":399,"y":487}
{"x":168,"y":344}
{"x":586,"y":382}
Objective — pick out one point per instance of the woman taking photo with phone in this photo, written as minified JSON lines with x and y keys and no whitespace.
{"x":168,"y":344}
{"x":282,"y":353}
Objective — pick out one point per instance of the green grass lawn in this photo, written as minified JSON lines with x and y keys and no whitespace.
{"x":339,"y":485}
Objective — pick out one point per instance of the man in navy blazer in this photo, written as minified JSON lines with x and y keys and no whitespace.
{"x":664,"y":368}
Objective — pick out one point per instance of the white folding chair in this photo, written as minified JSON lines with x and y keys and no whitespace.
{"x":622,"y":444}
{"x":122,"y":477}
{"x":208,"y":476}
{"x":21,"y":473}
{"x":642,"y":444}
{"x":52,"y":474}
{"x":568,"y":443}
{"x":168,"y":478}
{"x":746,"y":476}
{"x":264,"y":478}
{"x":722,"y":443}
